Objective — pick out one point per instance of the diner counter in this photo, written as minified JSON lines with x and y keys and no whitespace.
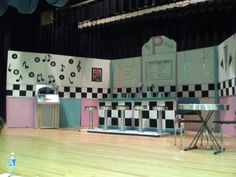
{"x":137,"y":99}
{"x":150,"y":115}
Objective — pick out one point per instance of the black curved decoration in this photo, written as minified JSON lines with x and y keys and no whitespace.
{"x":3,"y":7}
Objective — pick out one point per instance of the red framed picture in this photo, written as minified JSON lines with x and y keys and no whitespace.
{"x":96,"y":75}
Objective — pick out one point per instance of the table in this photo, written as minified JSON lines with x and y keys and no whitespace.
{"x":204,"y":107}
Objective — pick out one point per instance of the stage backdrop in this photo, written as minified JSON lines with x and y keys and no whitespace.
{"x":25,"y":69}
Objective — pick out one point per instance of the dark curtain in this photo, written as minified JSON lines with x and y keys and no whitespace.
{"x":17,"y":32}
{"x":121,"y":39}
{"x":5,"y":38}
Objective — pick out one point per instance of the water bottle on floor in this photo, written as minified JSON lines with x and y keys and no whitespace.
{"x":12,"y":164}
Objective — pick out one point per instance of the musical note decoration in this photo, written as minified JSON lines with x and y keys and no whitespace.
{"x":16,"y":71}
{"x":31,"y":74}
{"x":20,"y":78}
{"x":72,"y":74}
{"x":9,"y":68}
{"x":53,"y":63}
{"x":14,"y":56}
{"x":61,"y":77}
{"x":40,"y":77}
{"x":51,"y":79}
{"x":78,"y":66}
{"x":37,"y":59}
{"x":230,"y":59}
{"x":62,"y":67}
{"x":71,"y":82}
{"x":25,"y":65}
{"x":71,"y":61}
{"x":47,"y":58}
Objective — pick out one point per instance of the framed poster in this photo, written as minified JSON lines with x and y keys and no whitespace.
{"x":96,"y":75}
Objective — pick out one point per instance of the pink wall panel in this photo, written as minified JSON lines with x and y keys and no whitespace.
{"x":85,"y":113}
{"x":229,"y":115}
{"x":21,"y":112}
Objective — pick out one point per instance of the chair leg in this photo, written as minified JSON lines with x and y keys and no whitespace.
{"x":222,"y":137}
{"x":201,"y":139}
{"x":175,"y":132}
{"x":181,"y":135}
{"x":207,"y":139}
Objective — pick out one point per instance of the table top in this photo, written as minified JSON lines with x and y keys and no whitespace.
{"x":202,"y":107}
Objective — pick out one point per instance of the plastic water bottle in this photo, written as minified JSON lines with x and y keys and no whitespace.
{"x":12,"y":164}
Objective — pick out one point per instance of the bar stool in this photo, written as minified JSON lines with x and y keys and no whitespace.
{"x":105,"y":108}
{"x":159,"y":109}
{"x":122,"y":108}
{"x":90,"y":109}
{"x":140,"y":109}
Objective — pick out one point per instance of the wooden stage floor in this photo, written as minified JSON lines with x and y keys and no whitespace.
{"x":70,"y":153}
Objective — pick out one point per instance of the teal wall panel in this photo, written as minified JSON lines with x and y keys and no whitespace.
{"x":70,"y":113}
{"x":126,"y":72}
{"x":196,"y":66}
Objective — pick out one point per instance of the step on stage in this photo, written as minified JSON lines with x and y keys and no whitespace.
{"x":128,"y":132}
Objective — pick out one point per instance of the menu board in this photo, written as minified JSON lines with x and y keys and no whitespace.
{"x":159,"y":69}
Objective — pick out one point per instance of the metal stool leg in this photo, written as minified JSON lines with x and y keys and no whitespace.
{"x":90,"y":119}
{"x":140,"y":121}
{"x":105,"y":119}
{"x":160,"y":121}
{"x":122,"y":123}
{"x":222,"y":137}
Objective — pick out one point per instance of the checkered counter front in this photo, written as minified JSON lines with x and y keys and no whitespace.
{"x":149,"y":116}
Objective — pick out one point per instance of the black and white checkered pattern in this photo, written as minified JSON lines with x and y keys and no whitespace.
{"x":197,"y":90}
{"x":82,"y":92}
{"x":166,"y":90}
{"x":114,"y":115}
{"x":19,"y":90}
{"x":227,"y":88}
{"x":150,"y":117}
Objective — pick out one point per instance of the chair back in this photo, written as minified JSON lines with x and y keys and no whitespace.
{"x":191,"y":100}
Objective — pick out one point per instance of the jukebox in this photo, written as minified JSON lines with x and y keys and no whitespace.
{"x":48,"y":106}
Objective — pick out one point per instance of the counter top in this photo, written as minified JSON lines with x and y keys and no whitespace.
{"x":137,"y":99}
